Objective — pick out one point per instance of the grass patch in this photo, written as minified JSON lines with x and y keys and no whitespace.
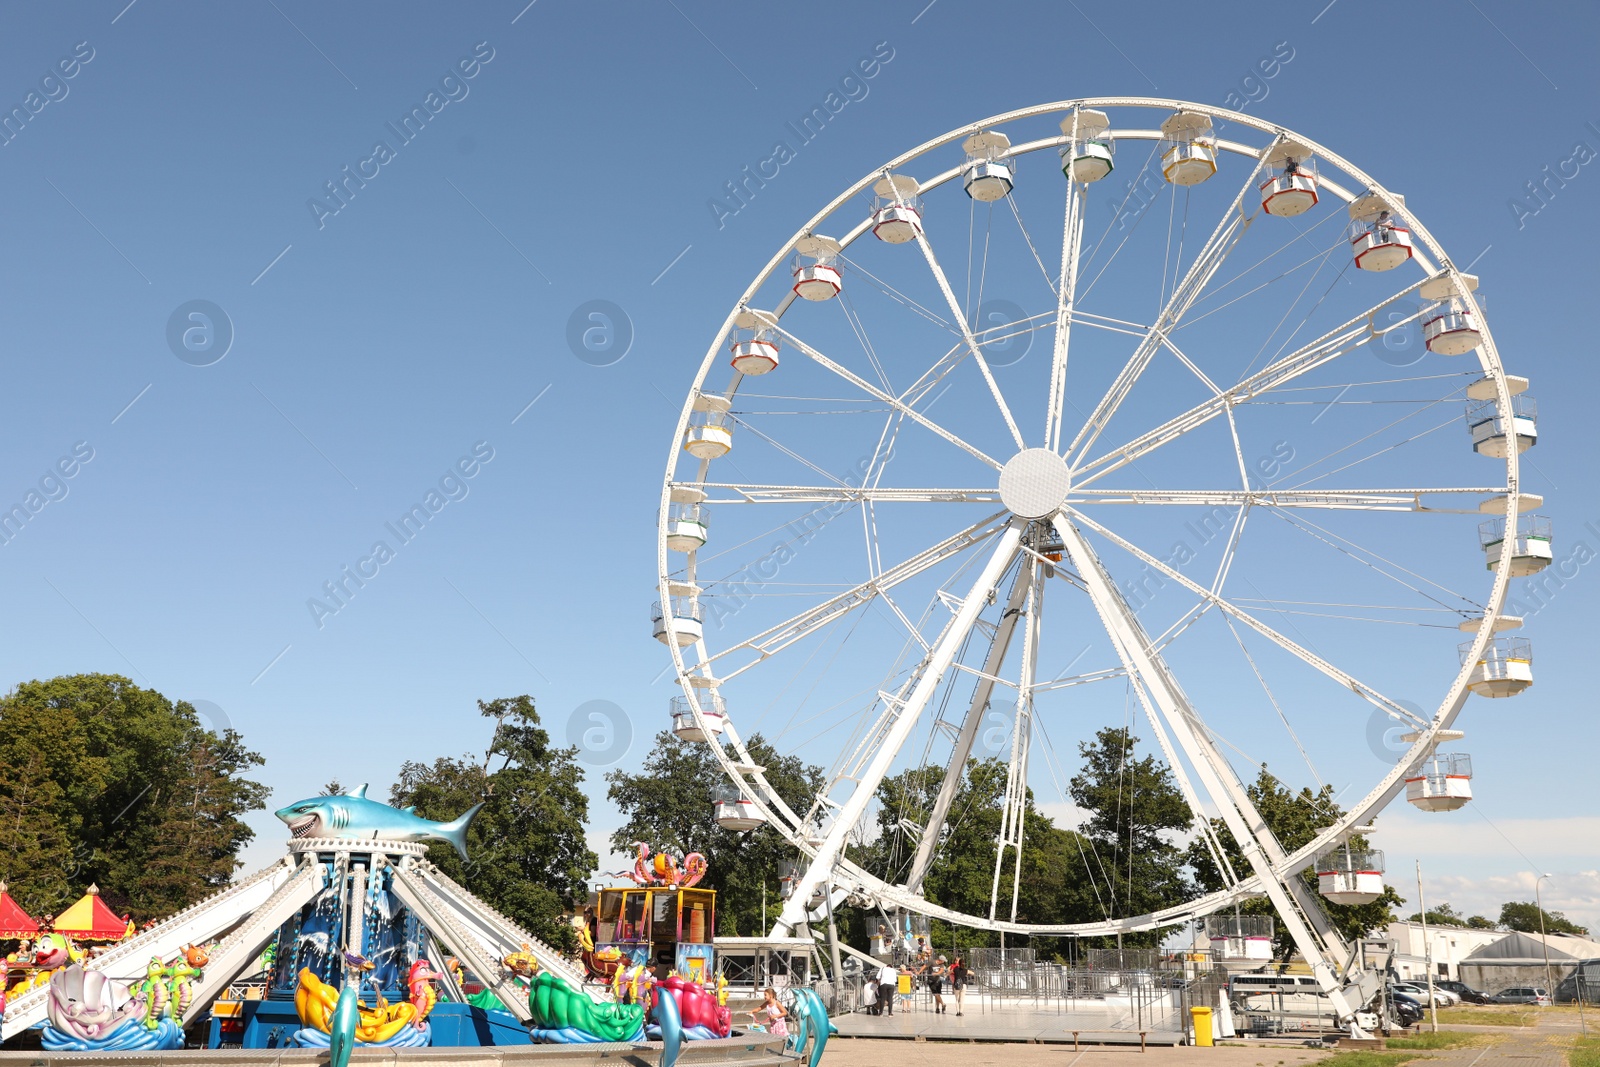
{"x":1443,"y":1039}
{"x":1586,"y":1053}
{"x":1489,"y":1015}
{"x":1370,"y":1059}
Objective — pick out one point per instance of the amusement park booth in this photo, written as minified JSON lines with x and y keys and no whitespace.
{"x":665,"y":928}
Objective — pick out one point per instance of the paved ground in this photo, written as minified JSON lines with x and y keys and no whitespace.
{"x":941,"y":1045}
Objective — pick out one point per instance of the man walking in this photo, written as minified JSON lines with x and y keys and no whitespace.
{"x":888,"y":978}
{"x":958,"y":982}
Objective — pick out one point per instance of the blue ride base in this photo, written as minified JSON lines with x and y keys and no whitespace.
{"x":273,"y":1023}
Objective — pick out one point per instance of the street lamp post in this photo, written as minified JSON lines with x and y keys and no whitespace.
{"x":1538,"y":902}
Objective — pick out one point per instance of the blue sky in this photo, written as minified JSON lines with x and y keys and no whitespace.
{"x":575,"y":153}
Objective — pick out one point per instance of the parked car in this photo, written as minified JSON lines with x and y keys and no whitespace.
{"x":1522,"y":994}
{"x":1442,"y":998}
{"x":1407,"y":1010}
{"x":1464,"y":991}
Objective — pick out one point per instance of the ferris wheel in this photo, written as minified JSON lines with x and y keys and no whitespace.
{"x":1120,"y":412}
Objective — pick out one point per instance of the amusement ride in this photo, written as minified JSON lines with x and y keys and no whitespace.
{"x":1095,"y":410}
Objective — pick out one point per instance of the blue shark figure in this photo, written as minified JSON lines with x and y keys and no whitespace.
{"x":342,"y":1027}
{"x":665,"y":1015}
{"x":351,"y":816}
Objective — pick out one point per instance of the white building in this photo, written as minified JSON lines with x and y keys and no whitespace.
{"x":1448,"y":946}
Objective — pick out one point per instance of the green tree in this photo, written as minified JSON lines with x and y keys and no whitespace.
{"x":1054,"y":884}
{"x":1523,"y":916}
{"x":103,"y":781}
{"x":1481,"y":922}
{"x":1294,"y":819}
{"x":668,"y":806}
{"x":1443,"y":915}
{"x":1135,"y":811}
{"x":528,"y":856}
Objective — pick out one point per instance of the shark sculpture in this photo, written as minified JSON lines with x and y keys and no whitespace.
{"x":352,"y":817}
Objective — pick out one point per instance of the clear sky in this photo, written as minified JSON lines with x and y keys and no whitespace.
{"x":414,"y":333}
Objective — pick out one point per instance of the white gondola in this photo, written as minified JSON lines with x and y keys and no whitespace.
{"x":710,"y":431}
{"x":1089,"y":151}
{"x":987,"y":174}
{"x":683,"y":609}
{"x":711,"y":710}
{"x":1451,"y":328}
{"x":734,"y":811}
{"x":755,"y":342}
{"x":1291,"y":188}
{"x":1531,"y":551}
{"x":1380,"y":239}
{"x":1492,"y":432}
{"x":687,"y":518}
{"x":897,"y":209}
{"x":1350,"y":875}
{"x":1505,"y":668}
{"x":1442,"y":783}
{"x":1188,"y":148}
{"x":1240,"y":937}
{"x":816,"y":271}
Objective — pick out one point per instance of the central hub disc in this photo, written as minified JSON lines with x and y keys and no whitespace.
{"x":1034,"y":483}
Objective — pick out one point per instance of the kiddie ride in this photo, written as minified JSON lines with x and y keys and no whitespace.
{"x":350,"y":922}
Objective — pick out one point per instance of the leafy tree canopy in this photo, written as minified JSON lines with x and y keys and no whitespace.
{"x":102,"y":781}
{"x":1523,"y":916}
{"x":528,"y":854}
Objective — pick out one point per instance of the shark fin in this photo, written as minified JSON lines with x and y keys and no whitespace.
{"x":358,"y":791}
{"x":410,"y":809}
{"x":455,"y":831}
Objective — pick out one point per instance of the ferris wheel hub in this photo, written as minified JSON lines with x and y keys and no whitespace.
{"x":1034,"y":482}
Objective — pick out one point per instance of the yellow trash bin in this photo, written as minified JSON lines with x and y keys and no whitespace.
{"x":905,"y":985}
{"x":1202,"y":1026}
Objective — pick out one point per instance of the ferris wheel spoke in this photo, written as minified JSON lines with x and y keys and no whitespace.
{"x":971,"y":342}
{"x":1338,"y":342}
{"x":1336,"y":499}
{"x":955,"y":769}
{"x":828,"y":494}
{"x":1311,"y":659}
{"x":1066,"y":299}
{"x":894,"y":402}
{"x":1222,"y":241}
{"x":911,"y":701}
{"x":776,"y":638}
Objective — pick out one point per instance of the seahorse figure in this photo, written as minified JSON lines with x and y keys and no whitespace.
{"x":155,"y":992}
{"x":419,"y":982}
{"x":181,"y":978}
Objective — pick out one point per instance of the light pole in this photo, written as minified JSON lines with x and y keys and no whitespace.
{"x":1538,"y":902}
{"x":1427,"y":949}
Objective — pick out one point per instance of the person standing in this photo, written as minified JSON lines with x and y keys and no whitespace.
{"x":958,"y":982}
{"x":869,"y":994}
{"x":888,"y":978}
{"x":936,"y":976}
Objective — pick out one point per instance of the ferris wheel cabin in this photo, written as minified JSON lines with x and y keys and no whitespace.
{"x":712,"y":711}
{"x":1350,"y":876}
{"x":1291,"y":188}
{"x":897,"y":209}
{"x":683,"y":608}
{"x":1380,"y":240}
{"x":1442,"y":783}
{"x":755,"y":344}
{"x":710,"y":431}
{"x":1451,"y":328}
{"x":1505,"y":669}
{"x":987,"y":174}
{"x":1530,"y":549}
{"x":687,"y":518}
{"x":816,"y":272}
{"x":1188,"y":148}
{"x":734,"y":811}
{"x":1492,"y":432}
{"x":1087,"y":155}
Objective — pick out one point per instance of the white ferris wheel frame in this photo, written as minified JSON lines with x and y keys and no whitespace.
{"x":1275,"y":872}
